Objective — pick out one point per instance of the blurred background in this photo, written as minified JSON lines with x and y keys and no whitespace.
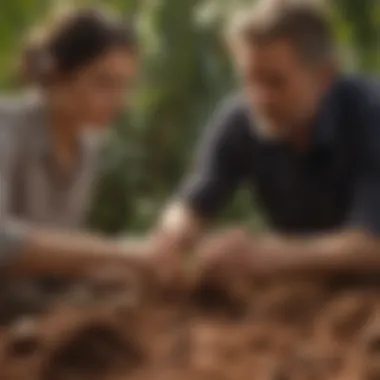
{"x":185,"y":72}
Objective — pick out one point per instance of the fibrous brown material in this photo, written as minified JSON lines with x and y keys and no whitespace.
{"x":288,"y":330}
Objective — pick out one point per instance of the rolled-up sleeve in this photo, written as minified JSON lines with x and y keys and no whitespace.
{"x":12,"y":233}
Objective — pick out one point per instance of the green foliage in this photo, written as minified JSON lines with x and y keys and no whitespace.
{"x":185,"y":72}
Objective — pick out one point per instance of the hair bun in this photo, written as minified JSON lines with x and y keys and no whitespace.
{"x":36,"y":64}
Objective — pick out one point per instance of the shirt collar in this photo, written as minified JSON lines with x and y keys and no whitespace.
{"x":327,"y":123}
{"x":89,"y":139}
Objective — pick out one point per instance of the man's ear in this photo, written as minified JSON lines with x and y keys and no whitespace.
{"x":329,"y":72}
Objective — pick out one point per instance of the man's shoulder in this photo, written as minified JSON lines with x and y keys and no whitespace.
{"x":232,"y":115}
{"x":228,"y":125}
{"x":363,"y":114}
{"x":359,"y":90}
{"x":233,"y":105}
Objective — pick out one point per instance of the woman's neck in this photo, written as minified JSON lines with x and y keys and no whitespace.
{"x":65,"y":133}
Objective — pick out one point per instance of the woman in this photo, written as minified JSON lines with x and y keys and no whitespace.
{"x":81,"y":70}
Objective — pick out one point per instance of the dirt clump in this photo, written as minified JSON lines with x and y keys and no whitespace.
{"x":282,"y":331}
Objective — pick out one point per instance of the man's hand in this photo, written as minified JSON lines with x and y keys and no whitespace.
{"x":225,"y":257}
{"x":176,"y":233}
{"x":167,"y":266}
{"x":236,"y":256}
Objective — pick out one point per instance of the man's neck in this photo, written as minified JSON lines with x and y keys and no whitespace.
{"x":300,"y":139}
{"x":301,"y":135}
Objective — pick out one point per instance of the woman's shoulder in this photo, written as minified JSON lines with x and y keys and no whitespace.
{"x":15,"y":111}
{"x":11,"y":108}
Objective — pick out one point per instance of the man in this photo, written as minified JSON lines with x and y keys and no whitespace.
{"x":305,"y":137}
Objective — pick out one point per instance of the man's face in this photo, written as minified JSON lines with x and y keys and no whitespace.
{"x":283,"y":90}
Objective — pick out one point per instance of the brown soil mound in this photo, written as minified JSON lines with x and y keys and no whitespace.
{"x":288,"y":331}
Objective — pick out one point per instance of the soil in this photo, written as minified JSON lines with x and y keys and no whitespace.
{"x":299,"y":330}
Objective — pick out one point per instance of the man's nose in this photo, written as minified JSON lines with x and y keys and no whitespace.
{"x":263,"y":97}
{"x":266,"y":103}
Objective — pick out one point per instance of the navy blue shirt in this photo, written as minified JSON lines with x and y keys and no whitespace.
{"x":335,"y":184}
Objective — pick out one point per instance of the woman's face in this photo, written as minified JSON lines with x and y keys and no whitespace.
{"x":96,"y":93}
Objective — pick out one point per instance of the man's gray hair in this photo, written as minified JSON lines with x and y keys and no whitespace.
{"x":305,"y":23}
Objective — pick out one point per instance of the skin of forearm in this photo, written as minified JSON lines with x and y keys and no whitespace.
{"x":345,"y":251}
{"x":69,"y":254}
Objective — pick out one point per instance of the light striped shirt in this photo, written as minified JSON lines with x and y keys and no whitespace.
{"x":33,"y":191}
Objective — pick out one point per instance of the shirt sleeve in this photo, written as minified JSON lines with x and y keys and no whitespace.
{"x":12,"y":233}
{"x":218,"y":166}
{"x":364,"y":212}
{"x":365,"y":208}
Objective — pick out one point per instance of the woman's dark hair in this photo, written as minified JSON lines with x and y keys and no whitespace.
{"x":74,"y":41}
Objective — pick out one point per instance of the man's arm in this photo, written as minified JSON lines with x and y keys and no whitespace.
{"x":356,"y":247}
{"x":216,"y":174}
{"x":179,"y":226}
{"x":348,"y":251}
{"x":237,"y":254}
